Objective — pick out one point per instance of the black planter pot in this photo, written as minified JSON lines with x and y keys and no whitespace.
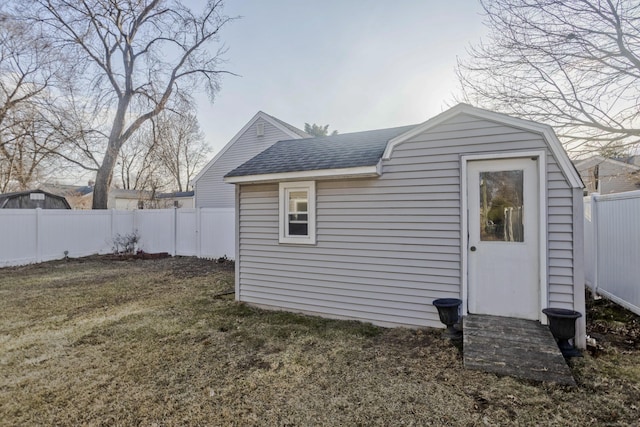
{"x":562,"y":323}
{"x":448,"y":312}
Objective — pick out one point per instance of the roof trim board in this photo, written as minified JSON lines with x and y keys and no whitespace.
{"x":259,"y":115}
{"x":357,"y":172}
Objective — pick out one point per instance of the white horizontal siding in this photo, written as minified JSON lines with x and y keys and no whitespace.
{"x":560,"y":237}
{"x":387,"y":247}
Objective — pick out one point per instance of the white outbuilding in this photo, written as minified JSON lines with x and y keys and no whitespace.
{"x":375,"y":225}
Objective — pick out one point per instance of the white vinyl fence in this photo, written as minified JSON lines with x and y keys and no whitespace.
{"x":36,"y":235}
{"x":612,"y":247}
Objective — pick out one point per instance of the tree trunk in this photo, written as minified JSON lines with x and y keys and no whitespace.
{"x":101,"y":189}
{"x":105,"y":172}
{"x":104,"y":176}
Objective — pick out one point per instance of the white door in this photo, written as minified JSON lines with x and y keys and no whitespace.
{"x":503,"y":242}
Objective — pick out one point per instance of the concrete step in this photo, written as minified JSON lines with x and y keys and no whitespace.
{"x":514,"y":347}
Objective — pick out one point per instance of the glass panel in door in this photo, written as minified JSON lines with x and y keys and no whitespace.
{"x":501,"y":206}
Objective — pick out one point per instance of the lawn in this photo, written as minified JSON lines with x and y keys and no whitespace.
{"x":161,"y":342}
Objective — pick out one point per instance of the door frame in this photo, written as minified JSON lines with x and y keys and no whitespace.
{"x":541,"y":156}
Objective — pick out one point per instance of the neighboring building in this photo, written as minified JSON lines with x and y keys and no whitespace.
{"x":128,"y":200}
{"x":32,"y":199}
{"x":120,"y":199}
{"x":178,"y":199}
{"x":261,"y":132}
{"x":376,"y":225}
{"x":81,"y":197}
{"x":605,"y":176}
{"x":78,"y":196}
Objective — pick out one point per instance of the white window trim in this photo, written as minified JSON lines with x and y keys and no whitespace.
{"x":310,"y":188}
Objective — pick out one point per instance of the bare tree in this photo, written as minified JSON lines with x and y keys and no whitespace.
{"x":574,"y":64}
{"x":134,"y":58}
{"x":30,"y":155}
{"x":136,"y":165}
{"x":182,"y":150}
{"x":167,"y":153}
{"x":27,"y":71}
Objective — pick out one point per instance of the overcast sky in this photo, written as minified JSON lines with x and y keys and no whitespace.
{"x":353,"y":64}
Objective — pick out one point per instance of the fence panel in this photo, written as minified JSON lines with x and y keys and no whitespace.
{"x":615,"y":240}
{"x":156,"y":228}
{"x":217,"y":233}
{"x":34,"y":235}
{"x":186,"y":232}
{"x":19,"y":237}
{"x":79,"y":233}
{"x":122,"y":223}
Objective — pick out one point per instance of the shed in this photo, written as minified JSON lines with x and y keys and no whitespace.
{"x":32,"y":199}
{"x":375,"y":225}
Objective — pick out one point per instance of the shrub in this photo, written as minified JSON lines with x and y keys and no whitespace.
{"x":126,"y":243}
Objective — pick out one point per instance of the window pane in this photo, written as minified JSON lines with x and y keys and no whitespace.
{"x":297,"y":218}
{"x":300,"y":217}
{"x":298,"y":229}
{"x":298,"y":201}
{"x":501,"y":206}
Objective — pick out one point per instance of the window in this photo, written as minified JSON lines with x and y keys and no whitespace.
{"x":297,"y":212}
{"x":501,"y":206}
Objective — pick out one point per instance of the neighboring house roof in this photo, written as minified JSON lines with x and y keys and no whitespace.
{"x":175,"y":195}
{"x":606,"y":175}
{"x":288,"y":129}
{"x":303,"y":159}
{"x":68,"y":190}
{"x":84,"y":190}
{"x":347,"y":150}
{"x":597,"y":159}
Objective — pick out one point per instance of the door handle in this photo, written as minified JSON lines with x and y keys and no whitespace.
{"x":472,"y":248}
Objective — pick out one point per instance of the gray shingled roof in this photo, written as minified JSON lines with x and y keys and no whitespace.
{"x":347,"y":150}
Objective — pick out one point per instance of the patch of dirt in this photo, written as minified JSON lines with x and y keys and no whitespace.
{"x":137,"y":255}
{"x":190,"y":267}
{"x":612,"y":325}
{"x":181,"y":267}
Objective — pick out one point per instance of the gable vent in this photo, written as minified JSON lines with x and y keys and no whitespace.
{"x":260,"y":129}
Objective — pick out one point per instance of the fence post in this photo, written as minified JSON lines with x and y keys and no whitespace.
{"x":112,"y":225}
{"x":175,"y":231}
{"x":198,"y":227}
{"x":595,"y":221}
{"x":38,"y":234}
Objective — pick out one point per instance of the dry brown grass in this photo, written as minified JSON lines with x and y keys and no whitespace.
{"x":97,"y":342}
